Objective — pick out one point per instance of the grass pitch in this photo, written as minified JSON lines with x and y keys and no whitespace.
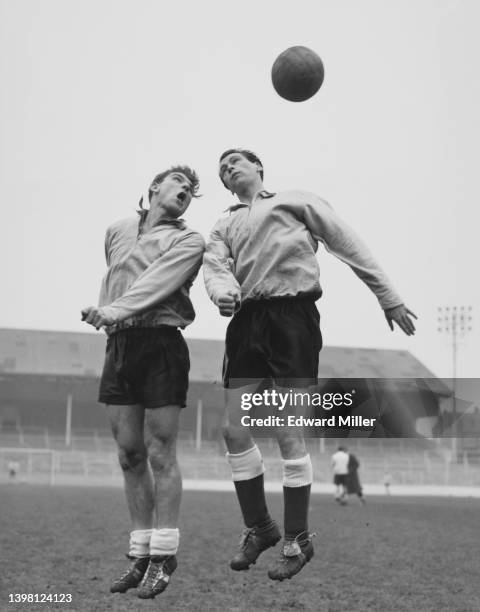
{"x":394,"y":554}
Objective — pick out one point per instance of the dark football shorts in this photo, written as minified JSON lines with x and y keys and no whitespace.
{"x":147,"y":366}
{"x":275,"y":340}
{"x":340,"y":479}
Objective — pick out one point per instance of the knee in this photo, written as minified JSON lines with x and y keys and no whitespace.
{"x":162,"y":454}
{"x":237,"y":439}
{"x":228,"y":432}
{"x":235,"y":434}
{"x":291,"y":446}
{"x":131,"y":457}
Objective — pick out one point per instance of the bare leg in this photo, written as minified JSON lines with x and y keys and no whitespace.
{"x":161,"y":428}
{"x":290,"y":438}
{"x":290,"y":442}
{"x":237,"y":437}
{"x":127,"y":427}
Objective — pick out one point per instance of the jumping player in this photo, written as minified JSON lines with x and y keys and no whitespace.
{"x":260,"y":267}
{"x":152,"y":261}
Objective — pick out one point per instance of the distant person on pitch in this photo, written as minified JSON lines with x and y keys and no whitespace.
{"x":387,"y":481}
{"x":260,"y":266}
{"x":144,"y":302}
{"x":13,"y":467}
{"x":340,"y":461}
{"x":353,"y":484}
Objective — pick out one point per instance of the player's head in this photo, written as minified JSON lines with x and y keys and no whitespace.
{"x":173,"y":189}
{"x":188,"y":173}
{"x":239,"y":165}
{"x":342,"y":448}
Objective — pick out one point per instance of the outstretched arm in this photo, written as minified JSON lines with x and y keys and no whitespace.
{"x":340,"y":240}
{"x":162,"y":278}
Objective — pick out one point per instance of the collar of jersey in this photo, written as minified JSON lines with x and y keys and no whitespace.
{"x":180,"y":223}
{"x":264,"y":194}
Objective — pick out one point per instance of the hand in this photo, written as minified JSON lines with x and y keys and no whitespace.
{"x":402,"y":317}
{"x":227,"y":303}
{"x":96,"y":317}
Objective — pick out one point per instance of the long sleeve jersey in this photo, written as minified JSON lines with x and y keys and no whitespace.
{"x":149,"y":274}
{"x":268,"y":249}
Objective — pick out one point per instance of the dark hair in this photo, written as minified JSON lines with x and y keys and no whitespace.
{"x":188,"y":172}
{"x":250,"y":155}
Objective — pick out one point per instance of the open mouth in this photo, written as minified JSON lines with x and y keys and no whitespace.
{"x":182,"y":196}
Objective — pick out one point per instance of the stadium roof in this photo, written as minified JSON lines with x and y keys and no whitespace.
{"x":55,"y":353}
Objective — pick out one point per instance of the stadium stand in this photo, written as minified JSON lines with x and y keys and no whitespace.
{"x":44,"y":372}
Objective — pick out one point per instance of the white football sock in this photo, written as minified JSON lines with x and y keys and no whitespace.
{"x":164,"y":542}
{"x":246,"y":465}
{"x":140,"y":542}
{"x":297,"y":472}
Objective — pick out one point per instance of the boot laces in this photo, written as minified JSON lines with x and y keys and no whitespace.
{"x":294,"y":548}
{"x":128,"y":571}
{"x":154,"y":574}
{"x":246,"y":535}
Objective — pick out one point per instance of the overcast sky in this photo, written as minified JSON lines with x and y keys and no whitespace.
{"x":98,"y":96}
